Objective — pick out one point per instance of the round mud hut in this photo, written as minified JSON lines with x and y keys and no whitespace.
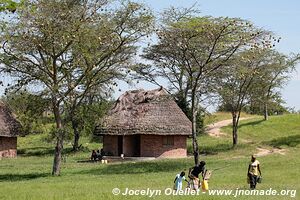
{"x":145,"y":124}
{"x":10,"y":128}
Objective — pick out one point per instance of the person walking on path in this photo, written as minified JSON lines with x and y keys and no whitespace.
{"x":253,"y":172}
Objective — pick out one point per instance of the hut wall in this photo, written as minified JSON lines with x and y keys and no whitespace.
{"x":152,"y":146}
{"x":110,"y":144}
{"x":8,"y":147}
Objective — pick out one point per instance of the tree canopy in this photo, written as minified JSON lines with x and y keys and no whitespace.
{"x":70,"y":48}
{"x":192,"y":50}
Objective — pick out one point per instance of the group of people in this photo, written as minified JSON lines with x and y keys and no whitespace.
{"x":194,"y":180}
{"x":253,"y":175}
{"x":97,"y":155}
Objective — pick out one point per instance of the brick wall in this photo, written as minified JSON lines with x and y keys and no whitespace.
{"x":8,"y":147}
{"x":110,"y":144}
{"x":152,"y":146}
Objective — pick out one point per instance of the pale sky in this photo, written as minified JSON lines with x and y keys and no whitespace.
{"x":278,"y":16}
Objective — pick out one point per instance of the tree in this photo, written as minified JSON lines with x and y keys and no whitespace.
{"x":243,"y":78}
{"x":68,"y":48}
{"x":84,"y":113}
{"x":189,"y":52}
{"x":272,"y":77}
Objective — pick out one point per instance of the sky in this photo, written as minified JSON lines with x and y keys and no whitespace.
{"x":280,"y":17}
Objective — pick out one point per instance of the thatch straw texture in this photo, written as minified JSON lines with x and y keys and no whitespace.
{"x":145,"y":112}
{"x":9,"y":126}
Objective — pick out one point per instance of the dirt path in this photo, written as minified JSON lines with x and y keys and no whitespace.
{"x":215,"y":128}
{"x":264,"y":152}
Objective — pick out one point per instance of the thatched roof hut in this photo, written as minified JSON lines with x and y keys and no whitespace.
{"x":10,"y":128}
{"x":9,"y":125}
{"x":143,"y":114}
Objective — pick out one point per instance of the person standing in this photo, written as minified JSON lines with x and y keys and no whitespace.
{"x":194,"y":174}
{"x":178,"y":180}
{"x":253,"y":172}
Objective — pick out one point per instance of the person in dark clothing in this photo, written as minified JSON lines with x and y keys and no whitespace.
{"x":195,"y":171}
{"x":94,"y":155}
{"x":194,"y":174}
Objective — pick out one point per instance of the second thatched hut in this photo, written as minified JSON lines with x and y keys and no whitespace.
{"x":10,"y":128}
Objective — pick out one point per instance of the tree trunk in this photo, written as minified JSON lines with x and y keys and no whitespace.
{"x":76,"y":135}
{"x":59,"y":140}
{"x":266,"y":115}
{"x":234,"y":129}
{"x":57,"y":156}
{"x":194,"y":132}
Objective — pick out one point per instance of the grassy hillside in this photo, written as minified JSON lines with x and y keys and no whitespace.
{"x":28,"y":176}
{"x":280,"y":131}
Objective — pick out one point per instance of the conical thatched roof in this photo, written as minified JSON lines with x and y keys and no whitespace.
{"x":145,"y":112}
{"x":9,"y":126}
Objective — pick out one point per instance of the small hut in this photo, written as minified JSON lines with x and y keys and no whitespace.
{"x":145,"y":124}
{"x":10,"y":128}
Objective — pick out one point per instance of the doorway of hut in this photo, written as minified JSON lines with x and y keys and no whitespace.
{"x":129,"y":145}
{"x":120,"y":145}
{"x":136,"y":145}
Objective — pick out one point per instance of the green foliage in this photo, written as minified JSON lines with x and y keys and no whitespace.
{"x":10,"y":5}
{"x":192,"y":50}
{"x":71,"y":49}
{"x":274,"y":108}
{"x":253,"y":79}
{"x":30,"y":110}
{"x":188,"y":112}
{"x":89,"y":114}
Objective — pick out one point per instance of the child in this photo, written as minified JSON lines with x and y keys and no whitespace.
{"x":178,"y":181}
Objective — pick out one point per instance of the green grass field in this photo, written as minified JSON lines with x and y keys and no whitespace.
{"x":28,"y":176}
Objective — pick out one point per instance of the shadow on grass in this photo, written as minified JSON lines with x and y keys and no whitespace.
{"x":40,"y":151}
{"x":290,"y":141}
{"x":215,"y":149}
{"x":140,"y":167}
{"x":21,"y":177}
{"x":36,"y":151}
{"x":252,"y":123}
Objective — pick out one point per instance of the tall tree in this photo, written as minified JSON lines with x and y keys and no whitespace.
{"x":68,"y":48}
{"x":190,"y":50}
{"x":272,"y":77}
{"x":247,"y":76}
